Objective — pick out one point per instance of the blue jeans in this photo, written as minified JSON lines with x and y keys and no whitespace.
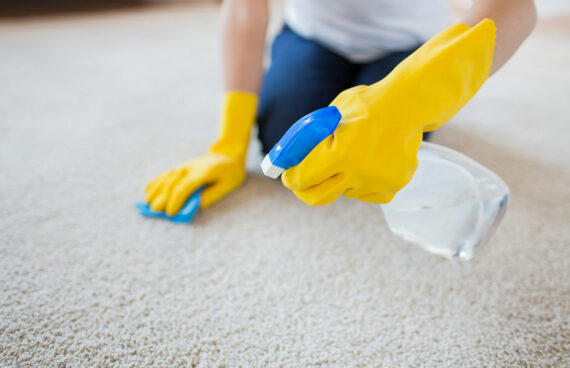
{"x":304,"y":76}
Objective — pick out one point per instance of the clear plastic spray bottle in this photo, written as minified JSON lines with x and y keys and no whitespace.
{"x":451,"y":207}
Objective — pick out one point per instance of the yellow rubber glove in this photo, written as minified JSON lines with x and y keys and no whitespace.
{"x":372,"y":153}
{"x":222,"y":170}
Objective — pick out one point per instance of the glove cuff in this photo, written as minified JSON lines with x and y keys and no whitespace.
{"x":236,"y":120}
{"x":433,"y":83}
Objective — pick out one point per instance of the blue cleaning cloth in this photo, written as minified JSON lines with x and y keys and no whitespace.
{"x":184,"y":216}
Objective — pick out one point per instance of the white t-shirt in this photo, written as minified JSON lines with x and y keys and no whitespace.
{"x":363,"y":30}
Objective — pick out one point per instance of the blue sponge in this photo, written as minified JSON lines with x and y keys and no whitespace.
{"x":185,"y":215}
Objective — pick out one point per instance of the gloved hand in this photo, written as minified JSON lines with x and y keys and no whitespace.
{"x":221,"y":170}
{"x":372,"y":153}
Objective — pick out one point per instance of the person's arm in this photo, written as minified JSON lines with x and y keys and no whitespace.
{"x":514,"y":19}
{"x":244,"y":25}
{"x":222,"y":169}
{"x":372,"y":154}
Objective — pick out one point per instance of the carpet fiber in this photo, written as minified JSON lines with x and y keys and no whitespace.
{"x":92,"y":107}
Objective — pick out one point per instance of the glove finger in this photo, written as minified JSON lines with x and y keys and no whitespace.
{"x":315,"y":169}
{"x":356,"y":192}
{"x":214,"y":193}
{"x":154,"y":188}
{"x":155,"y":181}
{"x":168,"y":184}
{"x":158,"y":197}
{"x":157,"y":204}
{"x":377,"y":197}
{"x":173,"y":181}
{"x":338,"y":100}
{"x":324,"y":193}
{"x":181,"y":192}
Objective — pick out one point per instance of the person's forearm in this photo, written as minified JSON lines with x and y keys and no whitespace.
{"x":244,"y":25}
{"x":514,"y":19}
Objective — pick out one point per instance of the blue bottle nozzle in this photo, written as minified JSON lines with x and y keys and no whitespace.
{"x":301,"y":138}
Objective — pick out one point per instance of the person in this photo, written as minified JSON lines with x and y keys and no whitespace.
{"x":365,"y":56}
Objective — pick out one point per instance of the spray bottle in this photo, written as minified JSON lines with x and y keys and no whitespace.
{"x":451,"y":207}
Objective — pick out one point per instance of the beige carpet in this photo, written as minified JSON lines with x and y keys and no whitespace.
{"x":91,"y":107}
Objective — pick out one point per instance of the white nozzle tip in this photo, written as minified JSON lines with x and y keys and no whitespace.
{"x":269,"y":169}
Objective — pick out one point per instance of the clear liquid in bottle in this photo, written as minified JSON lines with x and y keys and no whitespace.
{"x":452,"y":205}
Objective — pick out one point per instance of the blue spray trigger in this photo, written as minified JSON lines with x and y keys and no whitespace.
{"x":185,"y":215}
{"x":301,"y":138}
